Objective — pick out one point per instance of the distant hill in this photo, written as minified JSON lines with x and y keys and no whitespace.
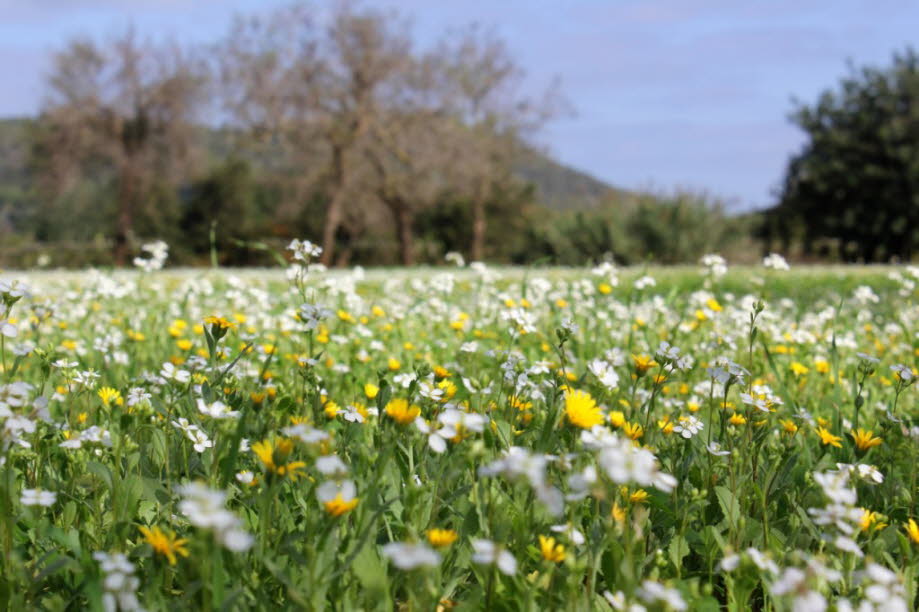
{"x":557,"y":186}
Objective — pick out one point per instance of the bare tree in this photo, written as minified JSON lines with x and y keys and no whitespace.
{"x":316,"y":91}
{"x":480,"y":87}
{"x":124,"y":109}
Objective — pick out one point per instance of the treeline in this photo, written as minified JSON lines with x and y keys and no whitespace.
{"x":342,"y":130}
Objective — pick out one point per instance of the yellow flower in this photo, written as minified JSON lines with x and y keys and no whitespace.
{"x":666,"y":425}
{"x":274,"y":455}
{"x":616,"y":418}
{"x":219,"y":322}
{"x":633,"y":430}
{"x":789,"y":427}
{"x":827,"y":438}
{"x":582,"y":410}
{"x":371,"y":390}
{"x":441,"y":538}
{"x":912,"y":530}
{"x":737,"y":419}
{"x":643,"y":363}
{"x":639,"y":496}
{"x":550,"y":550}
{"x":399,"y":410}
{"x":331,"y":409}
{"x":864,"y":440}
{"x":618,"y":513}
{"x":339,"y":505}
{"x":448,"y":388}
{"x":393,"y":364}
{"x":110,"y":396}
{"x":870,"y":519}
{"x":165,"y":543}
{"x":799,"y":368}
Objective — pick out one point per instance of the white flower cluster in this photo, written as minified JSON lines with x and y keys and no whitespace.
{"x":624,"y":462}
{"x":519,"y":463}
{"x":452,"y":422}
{"x":204,"y":508}
{"x":714,"y":265}
{"x":120,"y":584}
{"x":157,"y":252}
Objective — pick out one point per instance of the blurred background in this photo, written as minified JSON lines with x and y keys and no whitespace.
{"x":560,"y":132}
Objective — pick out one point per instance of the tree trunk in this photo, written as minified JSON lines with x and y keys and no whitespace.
{"x":406,"y":238}
{"x":125,"y":221}
{"x":477,"y":251}
{"x":333,"y":212}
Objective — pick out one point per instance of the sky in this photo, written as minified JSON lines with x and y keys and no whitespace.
{"x":665,"y":94}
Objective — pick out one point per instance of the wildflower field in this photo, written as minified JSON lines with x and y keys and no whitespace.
{"x":460,"y":438}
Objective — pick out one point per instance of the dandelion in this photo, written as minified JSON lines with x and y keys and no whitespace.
{"x":633,"y":431}
{"x":274,"y":455}
{"x":110,"y":396}
{"x":165,"y":543}
{"x":401,"y":412}
{"x":338,"y":497}
{"x":643,"y":363}
{"x":864,"y":440}
{"x":550,"y":550}
{"x":441,"y":538}
{"x":912,"y":530}
{"x":828,"y":439}
{"x":581,"y":409}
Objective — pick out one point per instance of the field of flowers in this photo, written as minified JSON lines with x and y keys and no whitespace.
{"x":459,"y":438}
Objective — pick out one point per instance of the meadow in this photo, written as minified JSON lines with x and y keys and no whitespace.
{"x":465,"y":437}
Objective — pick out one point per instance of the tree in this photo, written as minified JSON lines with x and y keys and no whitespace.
{"x":856,"y":181}
{"x":120,"y":113}
{"x":480,"y":89}
{"x":316,"y":92}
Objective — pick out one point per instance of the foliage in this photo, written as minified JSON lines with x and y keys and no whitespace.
{"x":853,"y":191}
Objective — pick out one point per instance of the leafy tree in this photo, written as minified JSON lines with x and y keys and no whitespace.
{"x":855,"y":184}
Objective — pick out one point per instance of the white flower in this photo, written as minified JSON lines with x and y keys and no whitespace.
{"x":569,"y":530}
{"x":216,"y":410}
{"x":332,"y":489}
{"x":37,"y":497}
{"x":625,"y":463}
{"x":715,"y":449}
{"x":170,"y":372}
{"x":204,"y":508}
{"x":774,"y":261}
{"x":604,"y":373}
{"x":903,"y":372}
{"x":688,"y":426}
{"x":331,"y":465}
{"x":8,"y":329}
{"x":199,"y":439}
{"x":407,"y":556}
{"x":653,"y":592}
{"x":311,"y":315}
{"x":487,"y":552}
{"x":306,"y":433}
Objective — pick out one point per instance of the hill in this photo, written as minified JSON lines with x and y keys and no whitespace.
{"x":557,"y":186}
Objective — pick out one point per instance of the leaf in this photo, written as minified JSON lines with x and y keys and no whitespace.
{"x":678,"y":550}
{"x":101,"y":472}
{"x":730,"y":507}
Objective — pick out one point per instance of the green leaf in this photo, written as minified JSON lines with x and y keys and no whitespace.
{"x":730,"y":507}
{"x":678,"y":550}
